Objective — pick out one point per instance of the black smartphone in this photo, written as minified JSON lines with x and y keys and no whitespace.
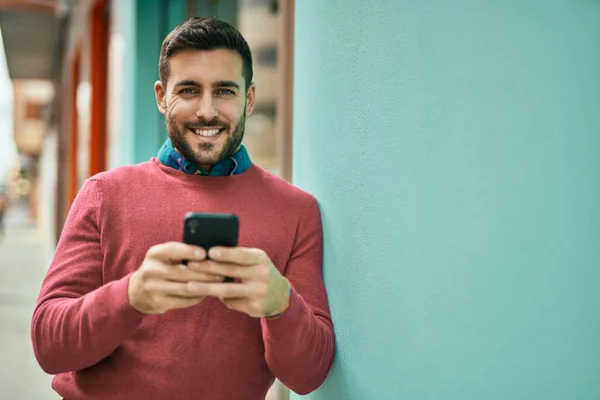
{"x":207,"y":230}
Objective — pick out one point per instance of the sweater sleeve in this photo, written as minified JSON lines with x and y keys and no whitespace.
{"x":78,"y":320}
{"x":300,"y":343}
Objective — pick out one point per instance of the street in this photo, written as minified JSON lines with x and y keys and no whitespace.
{"x":24,"y":257}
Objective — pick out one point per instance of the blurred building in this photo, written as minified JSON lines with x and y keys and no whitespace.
{"x":8,"y":151}
{"x":31,"y":106}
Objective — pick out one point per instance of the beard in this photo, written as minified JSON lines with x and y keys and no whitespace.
{"x":206,"y":154}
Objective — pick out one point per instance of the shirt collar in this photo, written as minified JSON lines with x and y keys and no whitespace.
{"x":236,"y":164}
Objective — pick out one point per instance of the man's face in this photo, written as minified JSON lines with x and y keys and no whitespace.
{"x":205,"y":104}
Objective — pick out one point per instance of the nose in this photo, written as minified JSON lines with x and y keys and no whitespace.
{"x":206,"y":109}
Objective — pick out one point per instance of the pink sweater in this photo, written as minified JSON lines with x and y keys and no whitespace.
{"x":85,"y":332}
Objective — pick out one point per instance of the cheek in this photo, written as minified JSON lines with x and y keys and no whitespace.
{"x":230,"y":111}
{"x":180,"y":109}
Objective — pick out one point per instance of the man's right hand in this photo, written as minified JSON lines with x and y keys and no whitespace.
{"x":160,"y":284}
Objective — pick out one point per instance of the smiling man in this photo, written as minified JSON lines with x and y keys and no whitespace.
{"x":204,"y":107}
{"x":121,"y":317}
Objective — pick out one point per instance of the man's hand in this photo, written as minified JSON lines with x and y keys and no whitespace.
{"x":261,"y":291}
{"x":161,"y":282}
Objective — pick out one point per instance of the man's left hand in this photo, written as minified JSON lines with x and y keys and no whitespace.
{"x":259,"y":291}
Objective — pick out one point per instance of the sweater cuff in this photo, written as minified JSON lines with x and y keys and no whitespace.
{"x":117,"y":297}
{"x":286,"y":323}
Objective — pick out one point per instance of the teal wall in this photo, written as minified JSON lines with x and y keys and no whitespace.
{"x":141,"y":24}
{"x":454,"y":147}
{"x":123,"y":21}
{"x":149,"y":125}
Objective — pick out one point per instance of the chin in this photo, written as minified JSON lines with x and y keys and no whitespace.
{"x":204,"y":157}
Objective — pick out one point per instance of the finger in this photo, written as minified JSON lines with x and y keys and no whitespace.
{"x":175,"y":252}
{"x":170,"y":289}
{"x":202,"y":277}
{"x":223,"y":269}
{"x":186,"y":274}
{"x":237,"y":255}
{"x":182,"y":273}
{"x":221,"y":290}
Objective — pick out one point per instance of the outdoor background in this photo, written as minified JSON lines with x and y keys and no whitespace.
{"x":454,"y":148}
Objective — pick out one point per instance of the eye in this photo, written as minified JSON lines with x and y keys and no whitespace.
{"x":225,"y":92}
{"x":188,"y":90}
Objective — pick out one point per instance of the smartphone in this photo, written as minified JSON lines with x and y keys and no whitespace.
{"x":207,"y":230}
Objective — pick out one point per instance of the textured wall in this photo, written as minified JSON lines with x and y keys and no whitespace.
{"x":455,"y":150}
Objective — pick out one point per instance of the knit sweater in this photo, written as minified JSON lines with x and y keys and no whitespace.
{"x":86,"y":333}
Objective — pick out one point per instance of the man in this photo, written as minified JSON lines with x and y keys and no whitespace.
{"x":119,"y":315}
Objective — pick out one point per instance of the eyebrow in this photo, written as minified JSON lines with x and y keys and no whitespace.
{"x":189,"y":82}
{"x":229,"y":84}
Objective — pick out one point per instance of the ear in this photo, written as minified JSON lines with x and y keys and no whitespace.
{"x":250,"y":99}
{"x":161,"y":101}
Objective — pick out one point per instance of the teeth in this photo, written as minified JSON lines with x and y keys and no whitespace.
{"x":206,"y":133}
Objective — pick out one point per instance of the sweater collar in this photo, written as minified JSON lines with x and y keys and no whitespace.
{"x":236,"y":164}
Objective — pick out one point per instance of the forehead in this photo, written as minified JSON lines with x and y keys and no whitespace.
{"x":205,"y":66}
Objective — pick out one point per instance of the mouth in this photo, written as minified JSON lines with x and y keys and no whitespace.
{"x":206,"y":132}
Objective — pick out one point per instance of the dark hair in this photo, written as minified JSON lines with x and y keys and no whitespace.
{"x":204,"y":34}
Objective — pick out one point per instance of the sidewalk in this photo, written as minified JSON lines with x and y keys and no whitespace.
{"x":24,"y":257}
